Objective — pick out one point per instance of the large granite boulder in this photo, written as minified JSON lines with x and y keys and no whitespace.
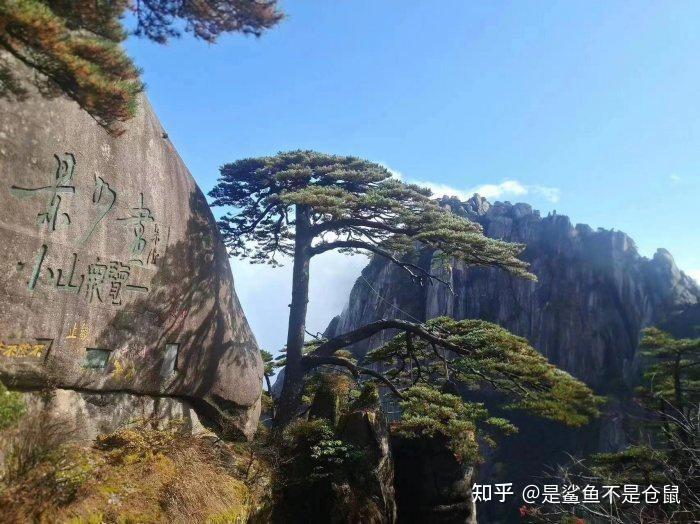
{"x":89,"y":415}
{"x":113,"y":276}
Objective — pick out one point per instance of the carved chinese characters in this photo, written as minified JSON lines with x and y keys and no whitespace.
{"x":102,"y":282}
{"x":111,"y":257}
{"x":22,"y":350}
{"x":62,"y":184}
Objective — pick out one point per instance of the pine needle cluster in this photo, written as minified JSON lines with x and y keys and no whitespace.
{"x":354,"y":205}
{"x":75,"y":45}
{"x":479,"y":356}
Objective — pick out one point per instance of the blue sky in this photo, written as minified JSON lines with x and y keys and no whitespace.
{"x":587,"y":108}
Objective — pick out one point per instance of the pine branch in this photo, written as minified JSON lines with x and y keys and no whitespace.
{"x":313,"y":361}
{"x":417,"y":273}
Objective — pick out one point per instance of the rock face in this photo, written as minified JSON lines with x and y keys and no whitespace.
{"x":431,"y":484}
{"x":114,"y":277}
{"x":367,"y":430}
{"x":92,"y":414}
{"x":593,"y":296}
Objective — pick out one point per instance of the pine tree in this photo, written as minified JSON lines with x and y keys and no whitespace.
{"x":268,"y":373}
{"x":76,"y":44}
{"x":666,"y":453}
{"x":303,"y":204}
{"x":671,"y":385}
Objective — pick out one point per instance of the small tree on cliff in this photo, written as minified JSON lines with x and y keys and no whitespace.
{"x":672,"y":386}
{"x":665,"y":456}
{"x":303,"y":204}
{"x":76,"y":43}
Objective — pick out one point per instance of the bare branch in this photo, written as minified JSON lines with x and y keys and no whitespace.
{"x":417,"y":273}
{"x":311,"y":361}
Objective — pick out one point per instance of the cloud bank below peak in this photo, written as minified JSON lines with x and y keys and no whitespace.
{"x":694,"y":274}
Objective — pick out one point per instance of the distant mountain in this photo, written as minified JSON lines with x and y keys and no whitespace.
{"x":593,"y":296}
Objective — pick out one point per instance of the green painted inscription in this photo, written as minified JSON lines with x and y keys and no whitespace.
{"x":62,"y":184}
{"x":99,"y":282}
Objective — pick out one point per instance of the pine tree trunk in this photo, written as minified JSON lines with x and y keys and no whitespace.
{"x":681,"y":429}
{"x":293,"y":373}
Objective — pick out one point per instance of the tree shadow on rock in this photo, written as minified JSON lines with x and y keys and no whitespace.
{"x":191,"y":303}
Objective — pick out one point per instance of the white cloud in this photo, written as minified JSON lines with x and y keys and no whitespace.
{"x":265,"y":293}
{"x":506,"y":189}
{"x":394,"y":172}
{"x":444,"y":190}
{"x":695,"y":274}
{"x":551,"y":194}
{"x":675,"y":178}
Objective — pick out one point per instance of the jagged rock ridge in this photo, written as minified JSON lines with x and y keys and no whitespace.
{"x":594,"y":292}
{"x":593,"y":296}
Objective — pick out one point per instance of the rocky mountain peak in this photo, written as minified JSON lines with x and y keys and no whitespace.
{"x":594,"y":293}
{"x":593,"y":296}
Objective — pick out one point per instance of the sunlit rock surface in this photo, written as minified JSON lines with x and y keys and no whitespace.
{"x":113,"y":276}
{"x":593,"y":296}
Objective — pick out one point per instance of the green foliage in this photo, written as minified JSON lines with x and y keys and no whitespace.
{"x":481,"y":356}
{"x":76,"y":44}
{"x":355,"y":201}
{"x":267,"y":404}
{"x":280,"y":361}
{"x":303,"y":434}
{"x":331,"y":454}
{"x":666,"y":453}
{"x":672,"y":372}
{"x":206,"y":19}
{"x":269,"y":365}
{"x":642,"y":465}
{"x":329,"y":468}
{"x":12,"y":407}
{"x":368,"y":397}
{"x":337,"y":385}
{"x":315,"y":452}
{"x":268,"y":362}
{"x":428,"y":413}
{"x":490,"y":358}
{"x":670,"y":396}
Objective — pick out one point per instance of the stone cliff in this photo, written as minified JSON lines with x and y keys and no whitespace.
{"x":593,"y":295}
{"x":114,"y":280}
